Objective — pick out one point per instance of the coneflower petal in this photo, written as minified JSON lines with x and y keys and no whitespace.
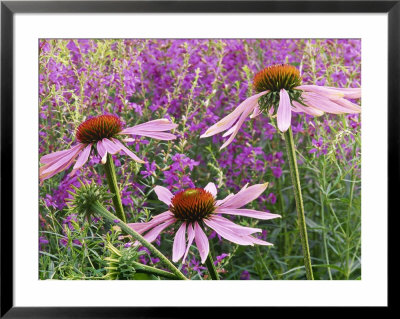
{"x":324,"y":104}
{"x":306,"y":109}
{"x":151,"y":126}
{"x":201,"y":242}
{"x":350,"y":93}
{"x":256,"y":112}
{"x":157,"y":135}
{"x":142,"y":227}
{"x":238,"y":229}
{"x":259,"y":241}
{"x":244,"y":196}
{"x":62,"y":161}
{"x":45,"y":172}
{"x":190,"y":232}
{"x":211,"y":189}
{"x":230,"y":119}
{"x":238,"y":125}
{"x":102,"y":151}
{"x":227,"y":233}
{"x":82,"y":159}
{"x":127,"y":151}
{"x":153,"y":234}
{"x":284,"y":114}
{"x":221,"y":201}
{"x":322,"y":90}
{"x":163,"y":194}
{"x":352,"y":107}
{"x":230,"y":131}
{"x":247,"y":212}
{"x":110,"y":146}
{"x":157,"y":220}
{"x":179,"y":245}
{"x":53,"y":157}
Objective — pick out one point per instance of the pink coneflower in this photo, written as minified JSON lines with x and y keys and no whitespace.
{"x":279,"y":91}
{"x":195,"y":208}
{"x":101,"y":134}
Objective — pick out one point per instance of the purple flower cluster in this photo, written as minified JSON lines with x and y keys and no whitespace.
{"x":42,"y":242}
{"x":319,"y":147}
{"x":178,"y":175}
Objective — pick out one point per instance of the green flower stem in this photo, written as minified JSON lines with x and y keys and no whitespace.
{"x":291,"y":150}
{"x":211,"y":267}
{"x":283,"y":220}
{"x":99,"y":209}
{"x":153,"y":271}
{"x":112,"y":183}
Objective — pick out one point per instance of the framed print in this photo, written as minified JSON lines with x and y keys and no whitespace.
{"x":158,"y":155}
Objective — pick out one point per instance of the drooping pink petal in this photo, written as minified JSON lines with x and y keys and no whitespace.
{"x":227,"y":233}
{"x":244,"y":196}
{"x":201,"y":242}
{"x":220,"y":202}
{"x":163,"y":194}
{"x":157,"y":220}
{"x":230,"y":119}
{"x":157,"y":135}
{"x":127,"y":151}
{"x":352,"y":107}
{"x":153,"y":234}
{"x":142,"y":227}
{"x":324,"y":104}
{"x":110,"y":146}
{"x":237,"y":229}
{"x":239,"y":123}
{"x":153,"y":129}
{"x":152,"y":126}
{"x":163,"y":216}
{"x":102,"y":152}
{"x":350,"y":93}
{"x":247,"y":212}
{"x":211,"y":189}
{"x":256,"y":112}
{"x":190,"y":232}
{"x":321,"y":90}
{"x":306,"y":109}
{"x":179,"y":245}
{"x":59,"y":164}
{"x":259,"y":241}
{"x":44,"y":176}
{"x":53,"y":157}
{"x":230,"y":131}
{"x":82,"y":159}
{"x":284,"y":114}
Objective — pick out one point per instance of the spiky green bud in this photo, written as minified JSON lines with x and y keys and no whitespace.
{"x":121,"y":263}
{"x":85,"y":196}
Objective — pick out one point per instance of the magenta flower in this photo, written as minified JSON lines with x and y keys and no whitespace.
{"x":279,"y":89}
{"x":101,"y":134}
{"x":195,"y":208}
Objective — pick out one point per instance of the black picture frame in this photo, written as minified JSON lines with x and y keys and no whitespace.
{"x":9,"y":8}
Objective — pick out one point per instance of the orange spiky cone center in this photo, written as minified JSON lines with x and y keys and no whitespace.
{"x":97,"y":128}
{"x":276,"y":77}
{"x":193,"y":204}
